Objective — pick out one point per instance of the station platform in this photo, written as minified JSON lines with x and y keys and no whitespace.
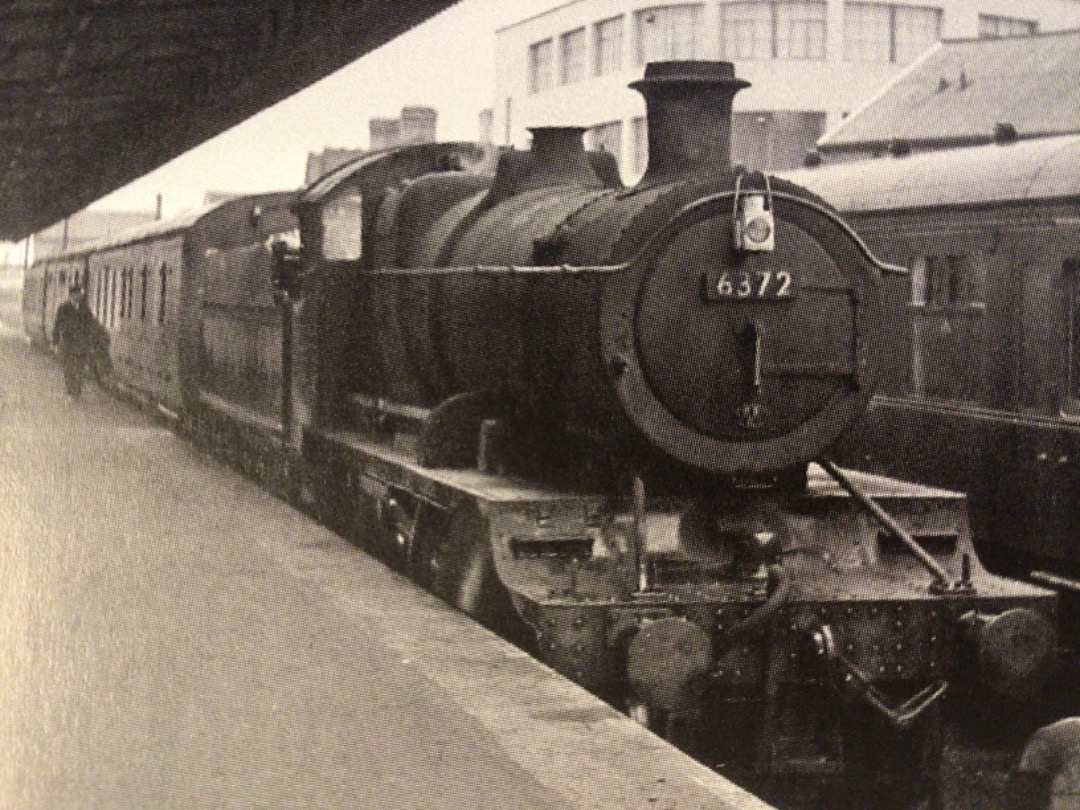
{"x":174,"y":637}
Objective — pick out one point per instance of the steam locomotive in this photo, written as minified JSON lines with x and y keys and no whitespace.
{"x":596,"y":418}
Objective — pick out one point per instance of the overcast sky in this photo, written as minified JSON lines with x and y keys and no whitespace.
{"x":446,"y":63}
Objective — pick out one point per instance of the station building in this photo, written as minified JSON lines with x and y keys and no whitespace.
{"x":810,"y":62}
{"x":414,"y":125}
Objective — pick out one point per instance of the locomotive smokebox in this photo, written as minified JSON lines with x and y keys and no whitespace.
{"x":689,"y":117}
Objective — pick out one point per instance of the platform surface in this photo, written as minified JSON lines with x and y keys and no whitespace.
{"x":173,"y":637}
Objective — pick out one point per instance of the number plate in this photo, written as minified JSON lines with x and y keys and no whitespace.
{"x":750,"y":285}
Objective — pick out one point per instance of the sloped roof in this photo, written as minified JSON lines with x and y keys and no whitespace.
{"x":84,"y":228}
{"x":959,"y":90}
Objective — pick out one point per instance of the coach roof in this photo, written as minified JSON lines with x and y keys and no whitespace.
{"x":1041,"y":168}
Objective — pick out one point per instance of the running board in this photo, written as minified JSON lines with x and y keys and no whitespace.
{"x":1055,"y":581}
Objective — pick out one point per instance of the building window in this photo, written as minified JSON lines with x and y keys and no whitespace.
{"x":992,"y":26}
{"x":746,"y":31}
{"x":914,"y":30}
{"x":572,"y":55}
{"x":608,"y":37}
{"x":667,"y":32}
{"x":787,"y":29}
{"x":875,"y":32}
{"x":606,"y":138}
{"x":867,"y":32}
{"x":800,"y":29}
{"x":541,"y":59}
{"x":640,"y":126}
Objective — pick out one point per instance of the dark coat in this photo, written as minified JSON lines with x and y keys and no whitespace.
{"x":78,"y":335}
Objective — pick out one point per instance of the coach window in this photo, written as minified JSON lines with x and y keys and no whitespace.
{"x":145,"y":273}
{"x":1071,"y":406}
{"x":164,"y":272}
{"x":952,"y":283}
{"x":114,"y":293}
{"x":107,"y":277}
{"x":114,"y":283}
{"x":343,"y":229}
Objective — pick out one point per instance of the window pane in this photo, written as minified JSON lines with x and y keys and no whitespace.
{"x":949,"y":357}
{"x":991,"y":25}
{"x":916,"y":30}
{"x":572,"y":52}
{"x":746,"y":31}
{"x":641,"y":145}
{"x":949,"y":281}
{"x":609,"y":42}
{"x":867,"y":34}
{"x":540,"y":66}
{"x":607,"y":138}
{"x":342,"y":222}
{"x":918,"y":280}
{"x":800,"y":30}
{"x":669,"y":32}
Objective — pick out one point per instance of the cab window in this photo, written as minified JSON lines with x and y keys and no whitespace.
{"x":342,"y":223}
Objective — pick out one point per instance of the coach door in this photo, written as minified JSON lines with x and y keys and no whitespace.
{"x":1071,"y":401}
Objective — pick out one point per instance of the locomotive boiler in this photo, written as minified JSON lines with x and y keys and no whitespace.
{"x":596,"y":418}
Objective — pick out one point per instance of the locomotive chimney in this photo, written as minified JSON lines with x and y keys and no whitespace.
{"x":558,"y":158}
{"x":689,"y":117}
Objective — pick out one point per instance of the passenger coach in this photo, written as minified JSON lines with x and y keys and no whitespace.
{"x":980,"y":388}
{"x":167,"y":293}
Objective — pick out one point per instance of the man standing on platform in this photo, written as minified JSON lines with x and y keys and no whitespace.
{"x":78,"y":338}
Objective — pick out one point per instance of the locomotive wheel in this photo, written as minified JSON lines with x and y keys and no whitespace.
{"x":459,"y":567}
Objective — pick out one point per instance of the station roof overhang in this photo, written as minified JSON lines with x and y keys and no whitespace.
{"x":96,"y":93}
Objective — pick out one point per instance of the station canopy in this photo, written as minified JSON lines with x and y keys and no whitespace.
{"x":96,"y":93}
